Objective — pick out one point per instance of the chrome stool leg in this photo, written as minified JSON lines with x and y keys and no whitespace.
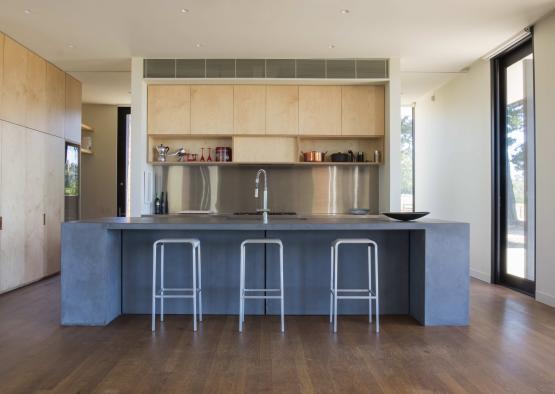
{"x":162,"y":282}
{"x":154,"y":250}
{"x":331,"y":285}
{"x":372,"y":294}
{"x":243,"y":291}
{"x":199,"y":283}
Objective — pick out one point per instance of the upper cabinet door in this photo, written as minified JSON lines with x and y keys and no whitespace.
{"x":320,"y":110}
{"x":249,"y":107}
{"x":72,"y":124}
{"x":55,"y":100}
{"x":35,"y":104}
{"x":212,"y":109}
{"x":169,"y":109}
{"x":14,"y":82}
{"x":362,"y":110}
{"x":282,"y":109}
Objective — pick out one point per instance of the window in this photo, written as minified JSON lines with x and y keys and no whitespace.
{"x":407,"y":159}
{"x":514,"y":260}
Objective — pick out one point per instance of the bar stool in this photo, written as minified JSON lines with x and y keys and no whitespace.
{"x":195,"y":245}
{"x":373,"y":295}
{"x":243,"y":293}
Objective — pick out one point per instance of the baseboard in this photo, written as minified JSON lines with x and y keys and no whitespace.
{"x":545,"y":298}
{"x":21,"y":286}
{"x":483,"y":276}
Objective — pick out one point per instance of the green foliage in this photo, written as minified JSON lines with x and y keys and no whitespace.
{"x":406,"y":155}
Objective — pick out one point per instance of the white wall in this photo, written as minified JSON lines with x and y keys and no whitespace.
{"x":453,"y":159}
{"x":544,"y":54}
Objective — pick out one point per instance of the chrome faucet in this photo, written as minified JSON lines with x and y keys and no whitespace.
{"x":264,"y":209}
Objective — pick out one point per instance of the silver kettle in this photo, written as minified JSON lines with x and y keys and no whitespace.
{"x":162,"y":152}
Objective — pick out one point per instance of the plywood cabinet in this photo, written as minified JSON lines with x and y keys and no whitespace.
{"x":35,"y":93}
{"x":362,"y":110}
{"x":12,"y":197}
{"x":282,"y":109}
{"x":212,"y":109}
{"x":2,"y":38}
{"x":72,"y":124}
{"x":14,"y":82}
{"x":249,"y":106}
{"x":54,"y":203}
{"x":319,"y":110}
{"x":169,"y":109}
{"x":55,"y":100}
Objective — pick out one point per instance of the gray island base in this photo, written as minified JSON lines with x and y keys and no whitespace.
{"x":107,"y":266}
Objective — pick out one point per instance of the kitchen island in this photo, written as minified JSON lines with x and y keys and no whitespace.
{"x":107,"y":265}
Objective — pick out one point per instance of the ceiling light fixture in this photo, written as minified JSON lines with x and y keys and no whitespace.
{"x":27,"y":11}
{"x":198,"y":44}
{"x":70,"y":46}
{"x":184,"y":10}
{"x":331,"y":46}
{"x":345,"y":11}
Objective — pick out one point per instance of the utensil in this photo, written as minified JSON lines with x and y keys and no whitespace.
{"x":162,"y":152}
{"x":340,"y":157}
{"x":180,"y":153}
{"x":360,"y":157}
{"x":405,"y":216}
{"x":314,"y":156}
{"x":359,"y":211}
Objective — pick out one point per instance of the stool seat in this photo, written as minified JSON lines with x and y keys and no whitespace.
{"x":195,"y":291}
{"x":371,"y":294}
{"x":243,"y":292}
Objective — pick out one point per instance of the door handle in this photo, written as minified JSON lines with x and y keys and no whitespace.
{"x":44,"y":219}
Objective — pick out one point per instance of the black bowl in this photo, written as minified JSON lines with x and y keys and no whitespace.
{"x":405,"y":216}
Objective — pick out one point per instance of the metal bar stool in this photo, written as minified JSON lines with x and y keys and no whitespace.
{"x":243,"y":294}
{"x":195,"y":290}
{"x":373,"y":295}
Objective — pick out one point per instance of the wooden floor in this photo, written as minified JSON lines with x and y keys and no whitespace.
{"x":509,"y":347}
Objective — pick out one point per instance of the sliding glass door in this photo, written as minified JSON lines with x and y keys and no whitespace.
{"x":514,"y":211}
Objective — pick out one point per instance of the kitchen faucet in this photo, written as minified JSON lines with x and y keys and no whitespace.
{"x":264,"y":209}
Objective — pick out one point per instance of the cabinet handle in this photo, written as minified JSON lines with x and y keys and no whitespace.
{"x":44,"y":219}
{"x":1,"y":223}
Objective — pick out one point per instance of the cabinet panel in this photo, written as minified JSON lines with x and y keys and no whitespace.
{"x":262,"y":149}
{"x":12,"y":247}
{"x":362,"y":110}
{"x":249,"y":106}
{"x":14,"y":82}
{"x":72,"y":124}
{"x":55,"y":100}
{"x":54,"y":202}
{"x":212,"y":109}
{"x":319,"y":110}
{"x":282,"y":110}
{"x":1,"y":69}
{"x":35,"y":93}
{"x":35,"y":182}
{"x":169,"y":109}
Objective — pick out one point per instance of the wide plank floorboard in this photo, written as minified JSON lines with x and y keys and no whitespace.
{"x":509,"y":347}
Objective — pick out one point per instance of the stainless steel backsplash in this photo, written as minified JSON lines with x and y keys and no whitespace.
{"x":305,"y":190}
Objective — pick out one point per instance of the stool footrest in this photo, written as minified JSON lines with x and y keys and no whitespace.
{"x":263,"y":297}
{"x":261,"y":289}
{"x":354,"y":290}
{"x":356,"y":297}
{"x":184,"y":289}
{"x":173,"y":296}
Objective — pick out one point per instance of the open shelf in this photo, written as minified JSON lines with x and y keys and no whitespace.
{"x":233,"y":163}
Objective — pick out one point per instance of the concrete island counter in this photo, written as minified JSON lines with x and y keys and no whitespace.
{"x":107,"y":265}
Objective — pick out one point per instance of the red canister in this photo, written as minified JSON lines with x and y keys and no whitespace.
{"x":223,"y":153}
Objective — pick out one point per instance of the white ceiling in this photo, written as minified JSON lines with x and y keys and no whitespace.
{"x":428,"y":36}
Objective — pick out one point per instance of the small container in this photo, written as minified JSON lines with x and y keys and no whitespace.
{"x":377,"y":156}
{"x":360,"y":157}
{"x":223,"y":154}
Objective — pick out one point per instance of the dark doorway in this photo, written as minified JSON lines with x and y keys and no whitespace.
{"x":124,"y":118}
{"x":513,"y":178}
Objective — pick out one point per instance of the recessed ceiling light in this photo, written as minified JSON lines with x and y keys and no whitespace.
{"x":70,"y":46}
{"x":198,"y":44}
{"x":27,"y":11}
{"x":184,"y":10}
{"x":331,"y":46}
{"x":345,"y":11}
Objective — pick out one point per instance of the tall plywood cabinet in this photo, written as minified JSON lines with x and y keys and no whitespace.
{"x":40,"y":107}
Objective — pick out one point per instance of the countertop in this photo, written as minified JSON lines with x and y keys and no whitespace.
{"x":240,"y":222}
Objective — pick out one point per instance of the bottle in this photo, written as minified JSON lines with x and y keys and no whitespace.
{"x":162,"y":204}
{"x":166,"y":207}
{"x":157,"y":206}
